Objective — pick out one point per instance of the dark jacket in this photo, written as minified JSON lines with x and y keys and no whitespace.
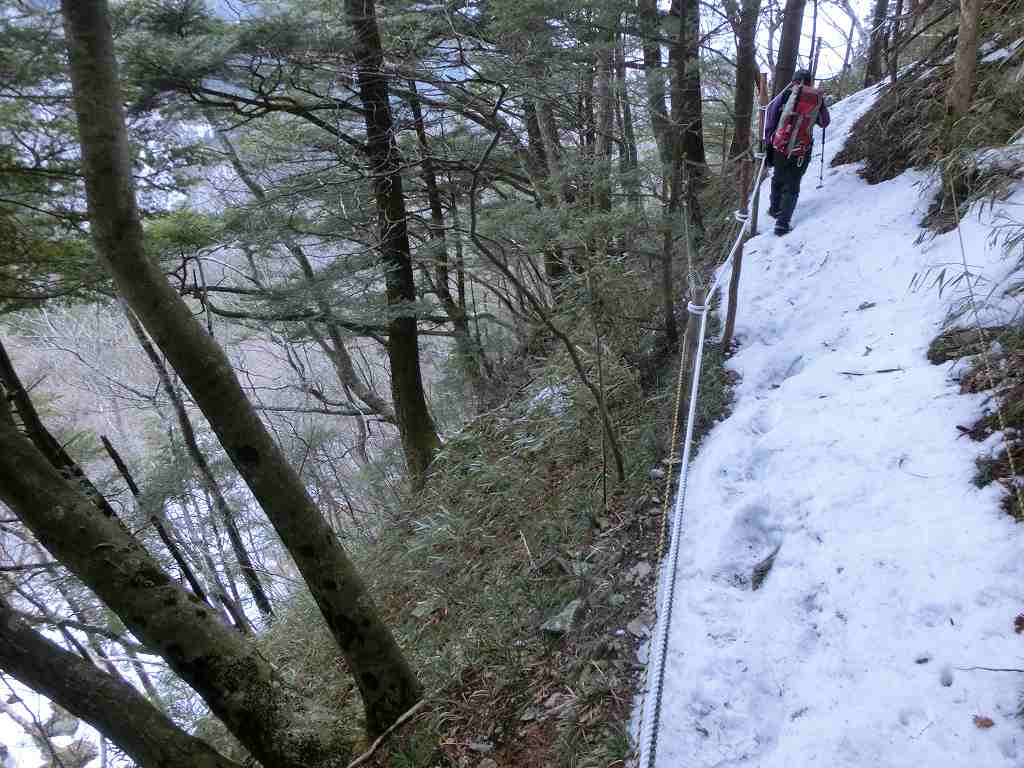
{"x":774,"y":112}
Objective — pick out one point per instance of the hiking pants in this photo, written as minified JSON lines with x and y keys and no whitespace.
{"x":786,"y":184}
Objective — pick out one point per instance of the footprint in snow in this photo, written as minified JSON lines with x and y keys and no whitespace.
{"x":749,"y":549}
{"x":764,"y":420}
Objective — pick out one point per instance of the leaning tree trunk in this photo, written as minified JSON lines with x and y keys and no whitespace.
{"x":419,"y":438}
{"x":108,"y":703}
{"x":208,"y":479}
{"x":789,"y":44}
{"x":231,"y":675}
{"x":386,"y":682}
{"x":873,"y":68}
{"x":958,"y":97}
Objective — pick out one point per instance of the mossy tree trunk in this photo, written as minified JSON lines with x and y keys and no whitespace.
{"x":385,"y":680}
{"x":229,"y":673}
{"x":108,"y":703}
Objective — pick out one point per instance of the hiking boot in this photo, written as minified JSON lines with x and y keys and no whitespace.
{"x":781,"y":229}
{"x":774,"y":213}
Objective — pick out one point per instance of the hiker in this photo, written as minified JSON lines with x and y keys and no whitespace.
{"x":789,"y":139}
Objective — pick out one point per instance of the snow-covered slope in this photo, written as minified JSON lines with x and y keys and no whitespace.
{"x":894,"y":573}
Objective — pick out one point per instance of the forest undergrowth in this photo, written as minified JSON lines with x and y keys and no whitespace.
{"x":521,"y":591}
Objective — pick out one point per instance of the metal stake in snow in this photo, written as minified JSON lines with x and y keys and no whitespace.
{"x":821,"y":172}
{"x":651,"y":706}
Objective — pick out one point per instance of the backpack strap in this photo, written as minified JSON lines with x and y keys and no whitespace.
{"x":793,"y":134}
{"x":791,"y":101}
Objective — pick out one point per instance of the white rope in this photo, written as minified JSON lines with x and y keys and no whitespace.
{"x":651,"y":714}
{"x":649,"y":728}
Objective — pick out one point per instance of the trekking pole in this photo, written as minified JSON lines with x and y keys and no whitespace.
{"x":821,"y":171}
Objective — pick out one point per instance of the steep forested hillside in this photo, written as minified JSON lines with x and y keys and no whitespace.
{"x":347,"y":352}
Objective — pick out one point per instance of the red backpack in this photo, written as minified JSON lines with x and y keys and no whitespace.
{"x":800,"y":113}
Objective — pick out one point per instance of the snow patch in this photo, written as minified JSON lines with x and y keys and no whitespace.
{"x":1000,"y":54}
{"x":556,"y":398}
{"x":894,"y":574}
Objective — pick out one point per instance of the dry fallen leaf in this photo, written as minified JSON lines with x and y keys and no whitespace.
{"x":983,"y":722}
{"x":1018,"y":624}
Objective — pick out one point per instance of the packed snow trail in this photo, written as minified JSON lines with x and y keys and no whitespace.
{"x":893,"y":571}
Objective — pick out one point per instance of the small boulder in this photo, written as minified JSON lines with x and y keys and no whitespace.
{"x":641,"y":625}
{"x":639,"y":572}
{"x":563,"y":621}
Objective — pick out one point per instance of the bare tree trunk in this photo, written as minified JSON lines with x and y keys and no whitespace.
{"x":336,"y":351}
{"x":385,"y":680}
{"x":689,"y":117}
{"x":789,"y":44}
{"x":553,"y":150}
{"x":630,"y":155}
{"x":108,"y":703}
{"x":873,"y":68}
{"x":961,"y":89}
{"x":686,"y":117}
{"x":540,"y":171}
{"x":603,"y":95}
{"x":848,"y":53}
{"x":471,"y":358}
{"x":894,"y":43}
{"x":209,"y":482}
{"x":744,"y":175}
{"x":12,"y":388}
{"x":419,"y":438}
{"x":812,"y":59}
{"x":670,"y":214}
{"x":744,"y":25}
{"x":186,"y":570}
{"x":655,"y":78}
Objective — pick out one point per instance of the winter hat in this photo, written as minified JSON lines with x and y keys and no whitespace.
{"x":802,"y":76}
